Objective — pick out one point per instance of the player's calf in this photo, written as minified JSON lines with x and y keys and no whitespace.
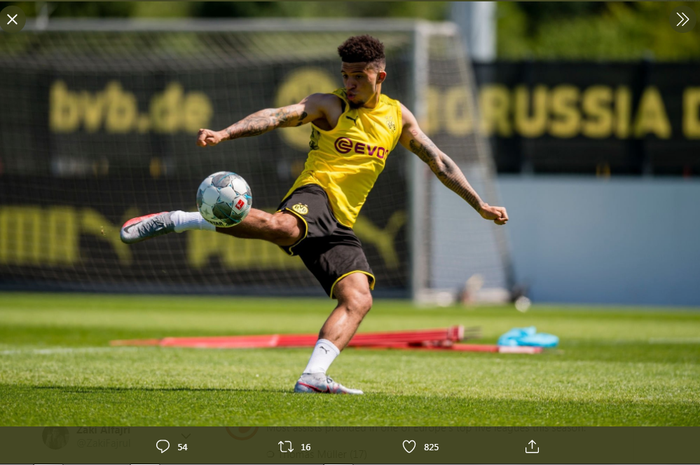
{"x":280,"y":228}
{"x":354,"y":302}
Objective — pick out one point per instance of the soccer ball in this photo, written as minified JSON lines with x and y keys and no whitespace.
{"x":224,"y":199}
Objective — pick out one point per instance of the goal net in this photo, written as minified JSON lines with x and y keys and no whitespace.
{"x":98,"y":125}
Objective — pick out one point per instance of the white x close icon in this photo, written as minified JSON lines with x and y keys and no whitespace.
{"x":12,"y":19}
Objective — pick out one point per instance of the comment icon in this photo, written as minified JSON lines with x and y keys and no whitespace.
{"x":162,"y":445}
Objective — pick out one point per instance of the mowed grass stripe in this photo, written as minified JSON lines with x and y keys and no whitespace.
{"x":56,"y":366}
{"x":221,"y":407}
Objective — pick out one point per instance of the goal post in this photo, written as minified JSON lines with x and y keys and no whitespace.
{"x":98,"y":125}
{"x":456,"y":245}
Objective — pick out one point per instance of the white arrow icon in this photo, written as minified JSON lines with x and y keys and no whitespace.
{"x":289,"y":449}
{"x":684,"y":19}
{"x":532,"y":449}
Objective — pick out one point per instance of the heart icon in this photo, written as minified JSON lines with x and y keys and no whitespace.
{"x":409,"y":446}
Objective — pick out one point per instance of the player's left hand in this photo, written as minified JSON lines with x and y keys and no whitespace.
{"x":497,"y":214}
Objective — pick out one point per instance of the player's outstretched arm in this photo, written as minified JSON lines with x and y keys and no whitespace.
{"x":311,"y":108}
{"x":413,"y":138}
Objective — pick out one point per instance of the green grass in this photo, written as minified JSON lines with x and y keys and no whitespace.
{"x":614,"y":366}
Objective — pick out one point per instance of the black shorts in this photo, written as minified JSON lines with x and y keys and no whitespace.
{"x":329,"y":250}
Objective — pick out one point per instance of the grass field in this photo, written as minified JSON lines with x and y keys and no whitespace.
{"x":614,"y":366}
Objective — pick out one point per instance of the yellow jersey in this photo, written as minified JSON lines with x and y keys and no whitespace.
{"x":347,"y":160}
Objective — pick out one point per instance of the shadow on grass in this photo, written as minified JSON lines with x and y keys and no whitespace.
{"x":66,"y":405}
{"x":103,"y":390}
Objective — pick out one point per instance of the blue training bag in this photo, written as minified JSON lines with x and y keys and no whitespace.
{"x":527,"y":337}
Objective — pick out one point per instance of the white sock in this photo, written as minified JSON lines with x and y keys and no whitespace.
{"x":321,"y":358}
{"x":190,"y":221}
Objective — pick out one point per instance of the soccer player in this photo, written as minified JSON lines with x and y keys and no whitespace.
{"x":353,"y":130}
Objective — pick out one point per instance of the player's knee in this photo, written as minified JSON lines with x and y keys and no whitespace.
{"x":367,"y":303}
{"x":359,"y":302}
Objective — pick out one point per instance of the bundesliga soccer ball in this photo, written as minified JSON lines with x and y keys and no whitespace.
{"x":224,"y":199}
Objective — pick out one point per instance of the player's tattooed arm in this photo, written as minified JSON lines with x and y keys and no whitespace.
{"x":444,"y":168}
{"x":310,"y":109}
{"x":267,"y":120}
{"x":413,"y":138}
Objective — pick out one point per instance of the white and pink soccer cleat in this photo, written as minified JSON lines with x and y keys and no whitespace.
{"x":319,"y":383}
{"x":145,"y":227}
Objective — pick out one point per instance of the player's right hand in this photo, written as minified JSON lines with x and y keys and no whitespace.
{"x":208,"y":137}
